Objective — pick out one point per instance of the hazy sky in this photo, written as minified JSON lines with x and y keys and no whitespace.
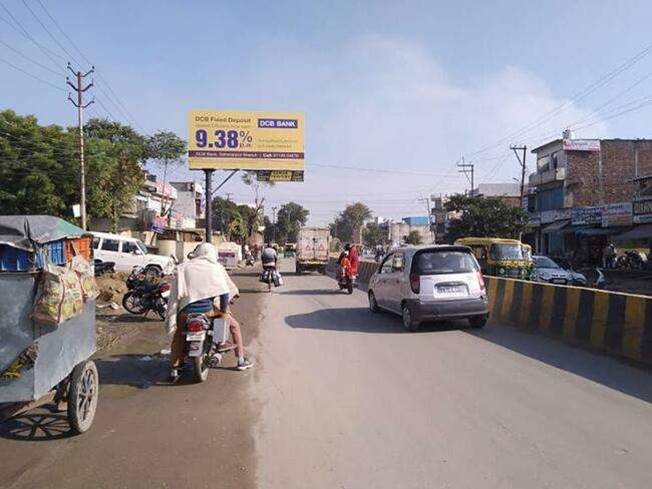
{"x":408,"y":86}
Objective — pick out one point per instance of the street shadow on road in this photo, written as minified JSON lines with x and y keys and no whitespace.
{"x":314,"y":292}
{"x":605,"y":370}
{"x":134,"y":370}
{"x":39,"y":426}
{"x":128,"y":318}
{"x":359,"y":319}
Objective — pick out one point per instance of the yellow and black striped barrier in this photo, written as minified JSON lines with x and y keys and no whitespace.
{"x":612,"y":322}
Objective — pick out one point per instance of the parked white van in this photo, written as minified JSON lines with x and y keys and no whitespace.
{"x":128,"y":253}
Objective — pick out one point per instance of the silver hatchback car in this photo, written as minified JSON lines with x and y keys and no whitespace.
{"x":428,"y":283}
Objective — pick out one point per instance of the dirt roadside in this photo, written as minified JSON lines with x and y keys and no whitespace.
{"x":147,"y":433}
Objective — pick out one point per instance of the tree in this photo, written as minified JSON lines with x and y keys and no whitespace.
{"x":115,"y":174}
{"x":413,"y":238}
{"x":255,"y":219}
{"x":349,"y":222}
{"x":39,"y":167}
{"x":165,"y":147}
{"x":484,"y":217}
{"x":290,"y":218}
{"x":270,"y":232}
{"x":375,"y":234}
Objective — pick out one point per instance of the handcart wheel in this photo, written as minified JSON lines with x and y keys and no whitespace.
{"x":82,"y":396}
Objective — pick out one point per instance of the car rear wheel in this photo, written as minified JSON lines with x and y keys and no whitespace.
{"x":478,"y":321}
{"x":409,"y":322}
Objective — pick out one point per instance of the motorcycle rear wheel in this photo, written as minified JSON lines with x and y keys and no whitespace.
{"x":199,"y":369}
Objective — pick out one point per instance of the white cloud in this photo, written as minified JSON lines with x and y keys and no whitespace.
{"x":380,"y":102}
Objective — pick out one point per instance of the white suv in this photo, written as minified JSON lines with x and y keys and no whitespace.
{"x":427,"y":283}
{"x":128,"y":253}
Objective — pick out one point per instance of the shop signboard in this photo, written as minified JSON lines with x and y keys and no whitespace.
{"x":227,"y":140}
{"x":555,"y":215}
{"x":586,"y":216}
{"x":581,"y":144}
{"x":642,"y":211}
{"x":619,"y":214}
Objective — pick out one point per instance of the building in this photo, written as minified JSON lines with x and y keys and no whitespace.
{"x":582,"y":192}
{"x":189,"y":202}
{"x":508,"y":193}
{"x":399,"y":231}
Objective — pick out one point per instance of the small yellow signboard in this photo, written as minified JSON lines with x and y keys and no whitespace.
{"x":225,"y":140}
{"x":280,"y":175}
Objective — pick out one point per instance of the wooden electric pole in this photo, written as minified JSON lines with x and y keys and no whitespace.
{"x":80,"y":123}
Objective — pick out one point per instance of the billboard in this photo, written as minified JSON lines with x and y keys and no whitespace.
{"x":227,"y":140}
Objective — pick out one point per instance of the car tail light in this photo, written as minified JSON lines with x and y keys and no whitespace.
{"x":415,"y":282}
{"x":164,"y":287}
{"x":481,"y":282}
{"x":195,"y":326}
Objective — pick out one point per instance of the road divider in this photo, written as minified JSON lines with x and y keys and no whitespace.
{"x":611,"y":322}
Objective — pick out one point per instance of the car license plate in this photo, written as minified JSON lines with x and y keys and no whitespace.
{"x":558,"y":281}
{"x":196,"y":336}
{"x":451,"y":290}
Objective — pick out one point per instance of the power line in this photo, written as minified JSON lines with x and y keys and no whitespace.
{"x":25,"y":33}
{"x":47,"y":30}
{"x":118,"y":103}
{"x":32,"y":75}
{"x":29,"y":59}
{"x":381,"y":170}
{"x":592,"y":87}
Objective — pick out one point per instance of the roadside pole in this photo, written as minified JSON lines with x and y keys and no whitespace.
{"x":80,"y":123}
{"x":208,"y":213}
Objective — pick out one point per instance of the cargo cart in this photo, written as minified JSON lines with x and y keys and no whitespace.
{"x":54,"y":359}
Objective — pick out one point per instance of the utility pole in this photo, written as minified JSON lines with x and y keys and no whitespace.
{"x":426,"y":200}
{"x":468,"y":168}
{"x":521,"y":162}
{"x":208,"y":213}
{"x":274,"y":224}
{"x":80,"y":123}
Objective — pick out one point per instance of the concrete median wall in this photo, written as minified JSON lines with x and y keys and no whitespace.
{"x":611,"y":322}
{"x":620,"y":324}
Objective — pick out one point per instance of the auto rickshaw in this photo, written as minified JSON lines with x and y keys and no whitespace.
{"x":501,"y":257}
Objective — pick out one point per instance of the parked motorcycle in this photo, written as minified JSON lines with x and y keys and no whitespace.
{"x":145,"y":295}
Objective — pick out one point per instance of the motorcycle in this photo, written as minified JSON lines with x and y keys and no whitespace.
{"x":249,"y":259}
{"x":345,"y":281}
{"x":205,"y":343}
{"x":145,"y":296}
{"x":271,"y":276}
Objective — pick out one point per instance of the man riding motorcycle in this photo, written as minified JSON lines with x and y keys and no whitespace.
{"x":201,"y":286}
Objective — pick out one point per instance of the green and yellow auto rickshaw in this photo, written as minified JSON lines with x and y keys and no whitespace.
{"x":501,"y":257}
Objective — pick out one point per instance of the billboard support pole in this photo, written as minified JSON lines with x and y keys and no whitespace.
{"x":208,"y":213}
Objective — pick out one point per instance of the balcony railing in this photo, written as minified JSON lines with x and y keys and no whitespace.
{"x":553,"y":175}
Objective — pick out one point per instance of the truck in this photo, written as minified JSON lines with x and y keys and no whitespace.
{"x":312,"y":249}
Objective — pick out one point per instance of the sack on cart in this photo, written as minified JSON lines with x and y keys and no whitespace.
{"x":59,"y":296}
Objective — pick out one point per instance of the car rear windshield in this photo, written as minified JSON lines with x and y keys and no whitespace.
{"x":435,"y":262}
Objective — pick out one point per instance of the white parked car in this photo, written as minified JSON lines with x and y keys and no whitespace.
{"x":426,"y":283}
{"x":128,"y":253}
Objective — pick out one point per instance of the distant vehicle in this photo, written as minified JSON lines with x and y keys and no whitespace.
{"x":128,"y":253}
{"x":312,"y":249}
{"x":547,"y":270}
{"x":501,"y":257}
{"x":426,"y":283}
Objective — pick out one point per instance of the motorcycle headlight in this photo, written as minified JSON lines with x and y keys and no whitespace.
{"x":501,"y":271}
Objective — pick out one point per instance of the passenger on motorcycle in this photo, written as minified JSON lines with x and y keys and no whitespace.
{"x":202,"y":285}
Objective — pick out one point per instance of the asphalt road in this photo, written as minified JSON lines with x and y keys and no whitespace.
{"x":341,"y":398}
